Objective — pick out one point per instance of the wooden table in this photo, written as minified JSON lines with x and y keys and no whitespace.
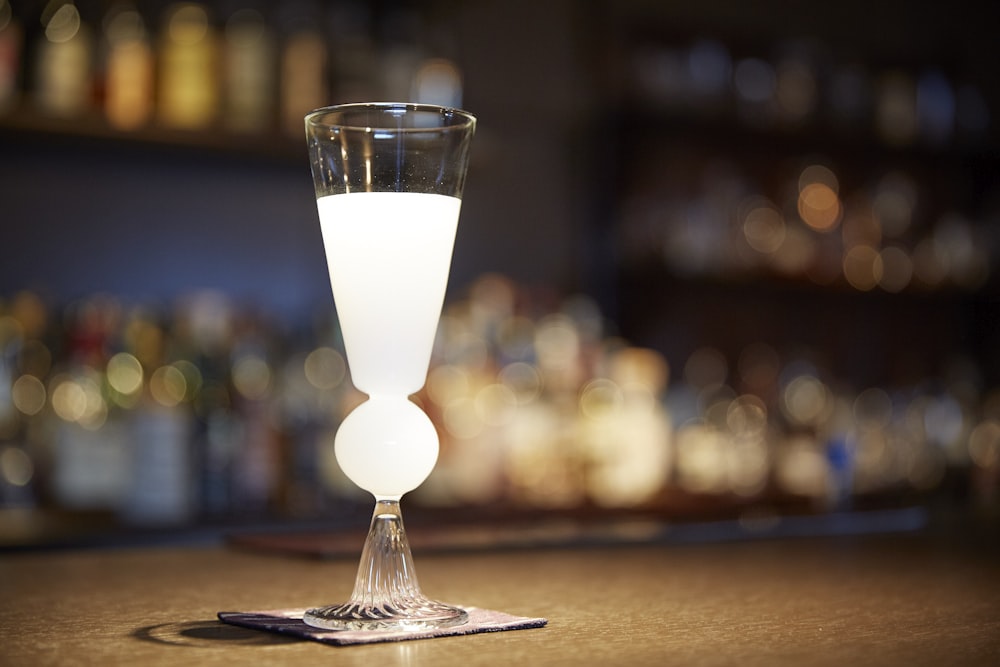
{"x":896,"y":600}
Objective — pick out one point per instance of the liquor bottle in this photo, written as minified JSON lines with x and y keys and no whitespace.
{"x":11,"y":41}
{"x":188,"y":86}
{"x":129,"y":69}
{"x":249,"y":71}
{"x":65,"y":56}
{"x":304,"y":71}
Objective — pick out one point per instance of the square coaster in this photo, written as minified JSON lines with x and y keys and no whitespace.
{"x":289,"y":622}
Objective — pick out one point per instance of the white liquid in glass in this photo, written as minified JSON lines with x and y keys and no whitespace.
{"x":389,"y":254}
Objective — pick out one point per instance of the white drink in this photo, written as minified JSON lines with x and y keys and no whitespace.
{"x":389,"y":254}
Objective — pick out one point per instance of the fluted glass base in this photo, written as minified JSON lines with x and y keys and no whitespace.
{"x":386,"y":594}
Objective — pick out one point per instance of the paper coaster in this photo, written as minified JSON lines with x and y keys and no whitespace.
{"x":289,"y":622}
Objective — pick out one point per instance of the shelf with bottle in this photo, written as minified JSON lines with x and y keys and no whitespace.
{"x":789,"y":161}
{"x":885,"y":226}
{"x":202,"y":74}
{"x":777,"y":195}
{"x":73,"y":72}
{"x":210,"y":412}
{"x":829,"y":71}
{"x":881,"y":278}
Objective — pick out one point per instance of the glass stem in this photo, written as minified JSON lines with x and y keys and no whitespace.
{"x":386,"y":594}
{"x":386,"y":574}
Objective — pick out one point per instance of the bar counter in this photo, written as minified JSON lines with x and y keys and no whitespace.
{"x":905,"y":599}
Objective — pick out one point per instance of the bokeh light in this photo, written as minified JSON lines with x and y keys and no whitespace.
{"x":251,"y":376}
{"x":746,"y":416}
{"x":796,"y":252}
{"x":806,"y":401}
{"x":600,"y":398}
{"x":79,"y":399}
{"x":68,"y":399}
{"x":872,"y":409}
{"x":325,"y":368}
{"x":187,"y":23}
{"x":16,"y":467}
{"x":863,"y":267}
{"x":193,"y":378}
{"x":124,"y":373}
{"x":897,"y":269}
{"x":496,"y":404}
{"x":524,"y":381}
{"x":801,"y":467}
{"x":448,"y":383}
{"x":819,"y":206}
{"x":701,"y":458}
{"x":764,"y":227}
{"x":461,"y":419}
{"x":28,"y":394}
{"x":818,"y":174}
{"x":168,"y":385}
{"x":61,"y":20}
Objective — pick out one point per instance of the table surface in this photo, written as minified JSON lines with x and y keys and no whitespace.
{"x":902,"y":599}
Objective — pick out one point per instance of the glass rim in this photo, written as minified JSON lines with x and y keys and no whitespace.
{"x":313,"y":117}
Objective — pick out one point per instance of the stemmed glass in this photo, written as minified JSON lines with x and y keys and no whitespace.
{"x":389,"y":180}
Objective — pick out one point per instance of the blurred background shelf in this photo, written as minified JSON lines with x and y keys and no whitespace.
{"x":714,"y":262}
{"x":24,"y":131}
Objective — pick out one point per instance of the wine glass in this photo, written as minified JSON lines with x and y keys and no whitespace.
{"x":388,"y":179}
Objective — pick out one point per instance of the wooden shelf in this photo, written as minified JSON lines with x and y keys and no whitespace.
{"x":26,"y":126}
